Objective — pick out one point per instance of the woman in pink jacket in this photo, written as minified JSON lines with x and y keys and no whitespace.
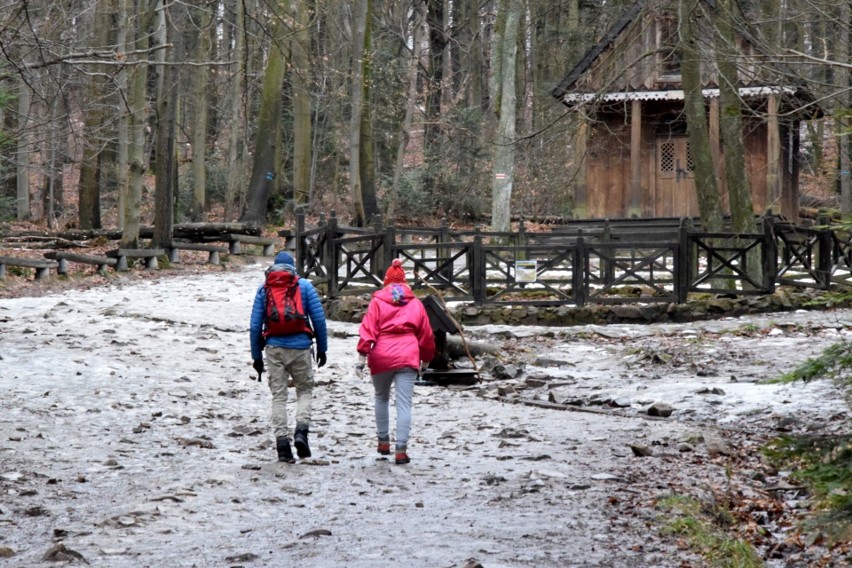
{"x":396,"y":340}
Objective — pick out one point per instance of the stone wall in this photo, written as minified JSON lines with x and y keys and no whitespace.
{"x":351,"y":309}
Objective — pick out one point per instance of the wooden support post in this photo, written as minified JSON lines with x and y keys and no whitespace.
{"x":579,"y":268}
{"x":478,"y":281}
{"x":521,"y":241}
{"x":770,"y":253}
{"x":445,"y":253}
{"x":300,"y":245}
{"x":683,"y":264}
{"x":773,"y":153}
{"x":824,"y":257}
{"x":332,"y":258}
{"x":634,"y":208}
{"x":377,"y":257}
{"x":608,"y":265}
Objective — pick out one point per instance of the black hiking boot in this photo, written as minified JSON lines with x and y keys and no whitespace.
{"x":300,"y":439}
{"x":285,"y":454}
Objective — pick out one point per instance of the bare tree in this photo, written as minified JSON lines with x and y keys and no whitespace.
{"x":503,"y":91}
{"x":263,"y":167}
{"x":359,"y":37}
{"x":709,"y":203}
{"x":300,"y":81}
{"x":203,"y":16}
{"x":417,"y":33}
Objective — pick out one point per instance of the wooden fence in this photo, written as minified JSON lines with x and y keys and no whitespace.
{"x":622,"y":261}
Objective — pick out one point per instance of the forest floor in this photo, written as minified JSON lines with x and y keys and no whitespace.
{"x":133,"y":434}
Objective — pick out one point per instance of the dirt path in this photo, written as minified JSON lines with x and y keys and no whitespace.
{"x":132,"y":434}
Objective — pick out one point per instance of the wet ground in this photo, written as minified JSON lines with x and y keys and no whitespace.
{"x":133,"y":434}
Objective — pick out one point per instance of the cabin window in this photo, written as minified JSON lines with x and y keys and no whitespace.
{"x":675,"y":158}
{"x":668,"y":57}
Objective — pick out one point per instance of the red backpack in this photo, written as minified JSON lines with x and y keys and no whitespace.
{"x":285,"y":314}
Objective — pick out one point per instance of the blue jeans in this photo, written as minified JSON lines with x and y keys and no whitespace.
{"x":403,"y":380}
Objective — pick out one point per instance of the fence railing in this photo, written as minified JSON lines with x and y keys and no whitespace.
{"x":605,"y":262}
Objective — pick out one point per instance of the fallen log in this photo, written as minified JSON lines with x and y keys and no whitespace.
{"x":187,"y":231}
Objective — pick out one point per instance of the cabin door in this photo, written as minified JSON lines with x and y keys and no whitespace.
{"x":675,"y":179}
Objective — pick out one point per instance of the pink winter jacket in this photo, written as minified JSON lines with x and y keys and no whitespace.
{"x":395,"y":332}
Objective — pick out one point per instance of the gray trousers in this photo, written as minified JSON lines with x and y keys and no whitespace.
{"x":403,"y":381}
{"x":283,"y":363}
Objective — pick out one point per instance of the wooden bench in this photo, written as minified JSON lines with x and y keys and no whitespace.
{"x":42,"y":267}
{"x":101,"y":262}
{"x":149,"y":255}
{"x":213,"y":250}
{"x":236,"y":240}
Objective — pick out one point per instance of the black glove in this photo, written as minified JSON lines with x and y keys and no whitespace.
{"x":258,"y":366}
{"x":321,"y":358}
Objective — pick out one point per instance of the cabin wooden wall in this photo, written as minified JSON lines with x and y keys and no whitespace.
{"x":608,"y":167}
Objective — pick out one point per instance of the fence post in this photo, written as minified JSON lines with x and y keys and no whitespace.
{"x":578,"y":271}
{"x":521,"y":251}
{"x":300,"y":246}
{"x":376,"y":264}
{"x":824,"y":259}
{"x":770,"y":253}
{"x":609,"y":264}
{"x":478,"y":282}
{"x":388,"y":253}
{"x":683,"y":263}
{"x":444,"y":253}
{"x":331,"y":261}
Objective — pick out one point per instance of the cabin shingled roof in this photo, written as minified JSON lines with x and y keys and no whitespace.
{"x":587,"y":60}
{"x":802,"y":94}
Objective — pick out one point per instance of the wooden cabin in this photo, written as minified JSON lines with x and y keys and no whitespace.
{"x":633,"y":145}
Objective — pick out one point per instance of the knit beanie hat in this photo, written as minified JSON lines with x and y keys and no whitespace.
{"x":395,"y":274}
{"x":284,"y":258}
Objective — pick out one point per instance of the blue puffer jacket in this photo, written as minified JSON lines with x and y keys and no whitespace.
{"x":313,"y":307}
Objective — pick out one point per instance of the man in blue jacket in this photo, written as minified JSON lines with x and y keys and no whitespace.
{"x":288,"y":351}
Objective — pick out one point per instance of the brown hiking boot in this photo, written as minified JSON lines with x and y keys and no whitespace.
{"x":384,"y":447}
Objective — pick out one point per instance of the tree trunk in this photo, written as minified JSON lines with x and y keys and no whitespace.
{"x":23,"y":153}
{"x":410,"y":108}
{"x":367,"y":145}
{"x":359,"y":32}
{"x":300,"y":82}
{"x":236,"y":138}
{"x":843,"y":122}
{"x":730,"y":123}
{"x":504,"y":148}
{"x":122,"y":127}
{"x":262,"y":175}
{"x":434,"y":90}
{"x":696,"y":118}
{"x":136,"y":120}
{"x":89,"y":188}
{"x":473,"y":55}
{"x":200,"y":122}
{"x":166,"y":168}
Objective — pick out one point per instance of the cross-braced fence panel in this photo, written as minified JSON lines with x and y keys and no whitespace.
{"x":800,"y":259}
{"x":529,"y":274}
{"x":841,"y":268}
{"x":721,"y":263}
{"x":443,"y":266}
{"x":618,"y":273}
{"x":358,"y":263}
